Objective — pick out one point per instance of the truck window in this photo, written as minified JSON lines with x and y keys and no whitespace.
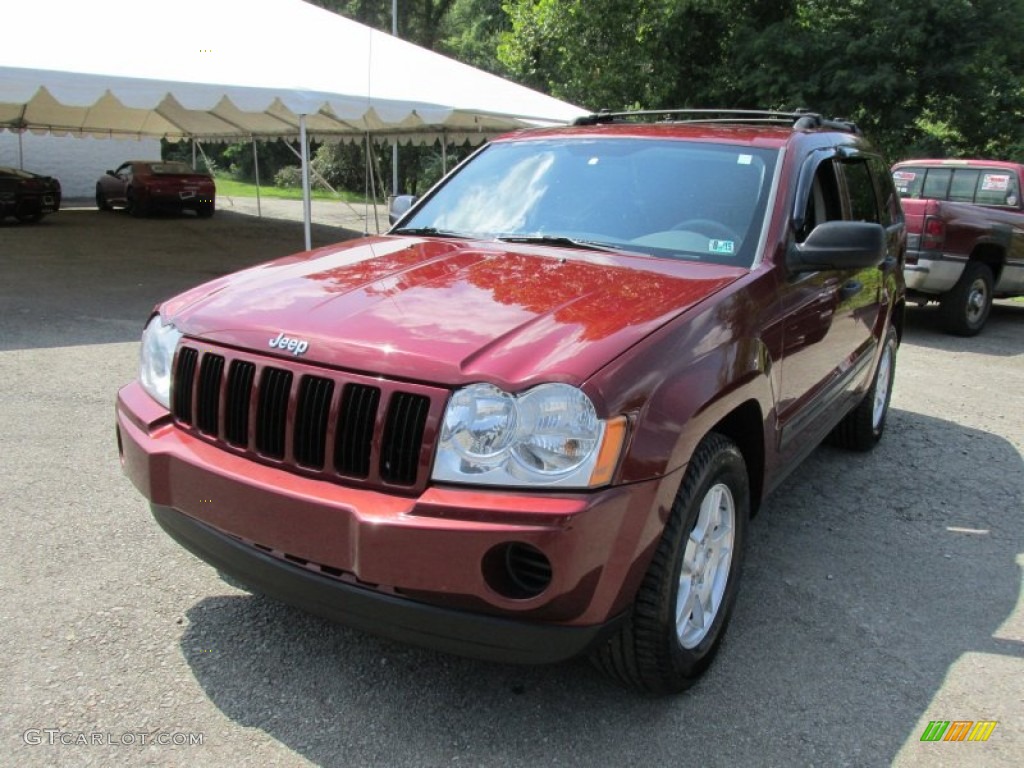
{"x":936,"y":183}
{"x":997,"y":187}
{"x":965,"y":181}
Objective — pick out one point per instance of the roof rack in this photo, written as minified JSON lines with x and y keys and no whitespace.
{"x":799,"y":119}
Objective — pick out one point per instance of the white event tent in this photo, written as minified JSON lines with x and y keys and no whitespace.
{"x":237,"y":70}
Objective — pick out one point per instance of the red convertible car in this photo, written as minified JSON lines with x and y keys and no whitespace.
{"x":142,"y":186}
{"x":27,"y":196}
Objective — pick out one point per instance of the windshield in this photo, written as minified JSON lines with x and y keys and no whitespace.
{"x":672,"y":199}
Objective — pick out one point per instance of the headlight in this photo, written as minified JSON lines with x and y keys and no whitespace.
{"x":159,"y":341}
{"x":549,"y":435}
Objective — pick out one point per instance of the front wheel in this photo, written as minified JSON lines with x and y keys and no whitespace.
{"x":101,"y":199}
{"x":862,"y":427}
{"x":683,"y":604}
{"x":966,"y":306}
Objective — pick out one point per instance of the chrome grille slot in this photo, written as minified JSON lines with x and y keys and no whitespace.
{"x":183,"y":382}
{"x":311,"y":414}
{"x":356,"y":419}
{"x":208,"y":394}
{"x":241,"y":375}
{"x":403,"y":437}
{"x":272,"y":412}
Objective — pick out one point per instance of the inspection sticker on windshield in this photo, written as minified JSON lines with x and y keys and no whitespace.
{"x":722,"y":246}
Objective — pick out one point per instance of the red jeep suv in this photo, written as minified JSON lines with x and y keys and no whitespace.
{"x":533,"y":420}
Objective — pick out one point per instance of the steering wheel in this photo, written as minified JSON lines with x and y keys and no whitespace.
{"x":713,"y":229}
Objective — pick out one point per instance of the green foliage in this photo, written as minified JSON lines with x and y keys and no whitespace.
{"x":920,"y":76}
{"x":288,"y":177}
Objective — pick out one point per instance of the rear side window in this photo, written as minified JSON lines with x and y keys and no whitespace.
{"x":863,"y":203}
{"x":982,"y":186}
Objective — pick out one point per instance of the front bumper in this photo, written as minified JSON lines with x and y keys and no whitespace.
{"x":411,"y":568}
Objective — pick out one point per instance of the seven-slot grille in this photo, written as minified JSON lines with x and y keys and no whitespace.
{"x":354,"y":429}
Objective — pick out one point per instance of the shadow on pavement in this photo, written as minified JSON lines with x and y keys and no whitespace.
{"x":854,"y":607}
{"x":84,"y":276}
{"x":1003,"y":334}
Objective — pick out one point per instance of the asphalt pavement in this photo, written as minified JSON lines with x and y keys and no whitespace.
{"x":881,"y":591}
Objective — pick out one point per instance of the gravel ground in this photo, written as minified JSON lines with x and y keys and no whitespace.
{"x":881,"y":591}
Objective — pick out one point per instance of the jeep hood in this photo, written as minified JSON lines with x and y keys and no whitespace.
{"x":448,"y":311}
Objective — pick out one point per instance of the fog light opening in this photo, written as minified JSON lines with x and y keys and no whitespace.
{"x":516,"y":570}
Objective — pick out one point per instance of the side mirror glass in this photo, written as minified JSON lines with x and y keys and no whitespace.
{"x":399,"y":205}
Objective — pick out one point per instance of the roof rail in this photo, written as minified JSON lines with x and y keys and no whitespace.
{"x":799,"y":119}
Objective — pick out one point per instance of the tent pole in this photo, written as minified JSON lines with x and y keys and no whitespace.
{"x":394,"y":167}
{"x":306,"y":208}
{"x":256,"y":167}
{"x":394,"y":144}
{"x":193,"y":153}
{"x":21,"y":151}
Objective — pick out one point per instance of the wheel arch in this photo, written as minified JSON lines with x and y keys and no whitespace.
{"x":992,"y":255}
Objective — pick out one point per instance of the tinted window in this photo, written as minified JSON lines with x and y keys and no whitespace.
{"x":863,"y":204}
{"x":890,"y":208}
{"x":983,"y":186}
{"x":936,"y":183}
{"x":965,"y":181}
{"x":997,"y":187}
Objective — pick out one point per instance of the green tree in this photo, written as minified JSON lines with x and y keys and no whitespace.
{"x":921,"y":76}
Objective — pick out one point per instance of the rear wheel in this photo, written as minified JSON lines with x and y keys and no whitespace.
{"x":135,"y":206}
{"x":683,"y":604}
{"x":204,"y":210}
{"x":862,"y":427}
{"x":966,"y":306}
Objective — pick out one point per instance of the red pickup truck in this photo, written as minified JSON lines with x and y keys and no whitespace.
{"x":965,"y":236}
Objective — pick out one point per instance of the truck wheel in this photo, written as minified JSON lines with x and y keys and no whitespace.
{"x":966,"y":306}
{"x":862,"y":427}
{"x":683,"y":604}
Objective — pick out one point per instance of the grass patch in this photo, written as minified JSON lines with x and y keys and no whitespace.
{"x":232,"y":188}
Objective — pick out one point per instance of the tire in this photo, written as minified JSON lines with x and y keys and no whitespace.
{"x":862,"y":428}
{"x":966,"y":306}
{"x":29,"y":218}
{"x":27,"y":213}
{"x":135,"y":207}
{"x":101,"y":200}
{"x":205,"y":210}
{"x":695,"y":572}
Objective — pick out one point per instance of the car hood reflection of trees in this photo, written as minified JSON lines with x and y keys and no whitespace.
{"x":450,"y":310}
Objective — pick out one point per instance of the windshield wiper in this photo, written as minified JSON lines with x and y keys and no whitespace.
{"x":558,"y":241}
{"x":427,"y":231}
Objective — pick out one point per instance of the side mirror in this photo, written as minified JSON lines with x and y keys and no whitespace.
{"x":399,"y":205}
{"x":839,"y":245}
